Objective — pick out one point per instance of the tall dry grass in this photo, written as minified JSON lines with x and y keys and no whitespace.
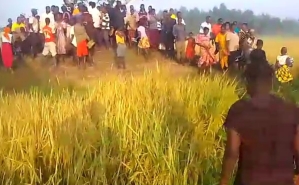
{"x":146,"y":130}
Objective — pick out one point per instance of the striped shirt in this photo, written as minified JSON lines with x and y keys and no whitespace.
{"x":243,"y":37}
{"x":105,"y":21}
{"x":159,"y":25}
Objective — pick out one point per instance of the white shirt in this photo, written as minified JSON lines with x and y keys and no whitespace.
{"x":183,"y":21}
{"x":42,"y":22}
{"x":203,"y":25}
{"x":96,"y":17}
{"x":141,"y":29}
{"x":4,"y":39}
{"x":72,"y":33}
{"x":282,"y":59}
{"x":34,"y":22}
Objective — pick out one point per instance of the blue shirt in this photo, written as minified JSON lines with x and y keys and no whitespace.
{"x":237,"y":30}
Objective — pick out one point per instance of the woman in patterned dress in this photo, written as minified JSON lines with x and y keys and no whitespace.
{"x":283,"y":64}
{"x":60,"y":27}
{"x":207,"y":57}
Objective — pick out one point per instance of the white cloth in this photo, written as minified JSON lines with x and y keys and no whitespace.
{"x":4,"y":39}
{"x":141,"y":29}
{"x":72,"y":33}
{"x":282,"y":59}
{"x":183,"y":21}
{"x":43,"y":18}
{"x":203,"y":25}
{"x":49,"y":48}
{"x":96,"y":17}
{"x":34,"y":22}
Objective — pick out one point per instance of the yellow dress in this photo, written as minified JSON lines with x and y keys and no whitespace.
{"x":283,"y":74}
{"x":221,"y":40}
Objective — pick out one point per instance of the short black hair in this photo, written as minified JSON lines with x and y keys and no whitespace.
{"x":206,"y":29}
{"x":92,"y":4}
{"x":47,"y":21}
{"x":259,"y":42}
{"x":258,"y":71}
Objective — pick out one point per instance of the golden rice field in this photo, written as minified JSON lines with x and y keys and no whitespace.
{"x":150,"y":128}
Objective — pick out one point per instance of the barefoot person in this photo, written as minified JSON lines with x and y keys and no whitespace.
{"x":262,"y":133}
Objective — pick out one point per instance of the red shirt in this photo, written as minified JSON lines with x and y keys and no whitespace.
{"x":216,"y":28}
{"x":49,"y":35}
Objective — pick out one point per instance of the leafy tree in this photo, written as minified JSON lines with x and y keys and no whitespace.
{"x":263,"y":23}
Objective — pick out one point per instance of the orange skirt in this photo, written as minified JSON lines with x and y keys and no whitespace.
{"x":82,"y":49}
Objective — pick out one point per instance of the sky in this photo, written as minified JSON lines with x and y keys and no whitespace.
{"x":282,"y":9}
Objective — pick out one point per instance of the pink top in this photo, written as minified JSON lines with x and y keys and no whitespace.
{"x":201,"y":38}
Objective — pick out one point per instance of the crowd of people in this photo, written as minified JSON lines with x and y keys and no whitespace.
{"x":78,"y":30}
{"x":263,"y":131}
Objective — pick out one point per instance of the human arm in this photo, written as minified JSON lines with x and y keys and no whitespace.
{"x":216,"y":45}
{"x":174,"y":31}
{"x":232,"y":145}
{"x":227,"y":40}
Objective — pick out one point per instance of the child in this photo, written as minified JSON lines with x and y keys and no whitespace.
{"x":121,"y":48}
{"x":190,"y":50}
{"x":50,"y":45}
{"x":283,"y":64}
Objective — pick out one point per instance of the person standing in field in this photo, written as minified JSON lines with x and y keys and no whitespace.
{"x":6,"y":49}
{"x":207,"y":57}
{"x":262,"y":134}
{"x":216,"y":28}
{"x":120,"y":38}
{"x":222,"y":47}
{"x":143,"y":43}
{"x":79,"y":32}
{"x":283,"y":64}
{"x":233,"y":45}
{"x":190,"y":49}
{"x":105,"y":26}
{"x":131,"y":22}
{"x":50,"y":44}
{"x":206,"y":24}
{"x":154,"y":34}
{"x":60,"y":27}
{"x":180,"y":35}
{"x":34,"y":33}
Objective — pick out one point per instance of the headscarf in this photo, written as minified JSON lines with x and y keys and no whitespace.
{"x":6,"y":33}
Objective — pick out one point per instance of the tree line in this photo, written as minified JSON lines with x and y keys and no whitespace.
{"x":264,"y":24}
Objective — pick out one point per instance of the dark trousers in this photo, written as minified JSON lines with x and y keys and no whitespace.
{"x":232,"y":58}
{"x":98,"y":37}
{"x":169,"y":45}
{"x":106,"y":38}
{"x":34,"y":43}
